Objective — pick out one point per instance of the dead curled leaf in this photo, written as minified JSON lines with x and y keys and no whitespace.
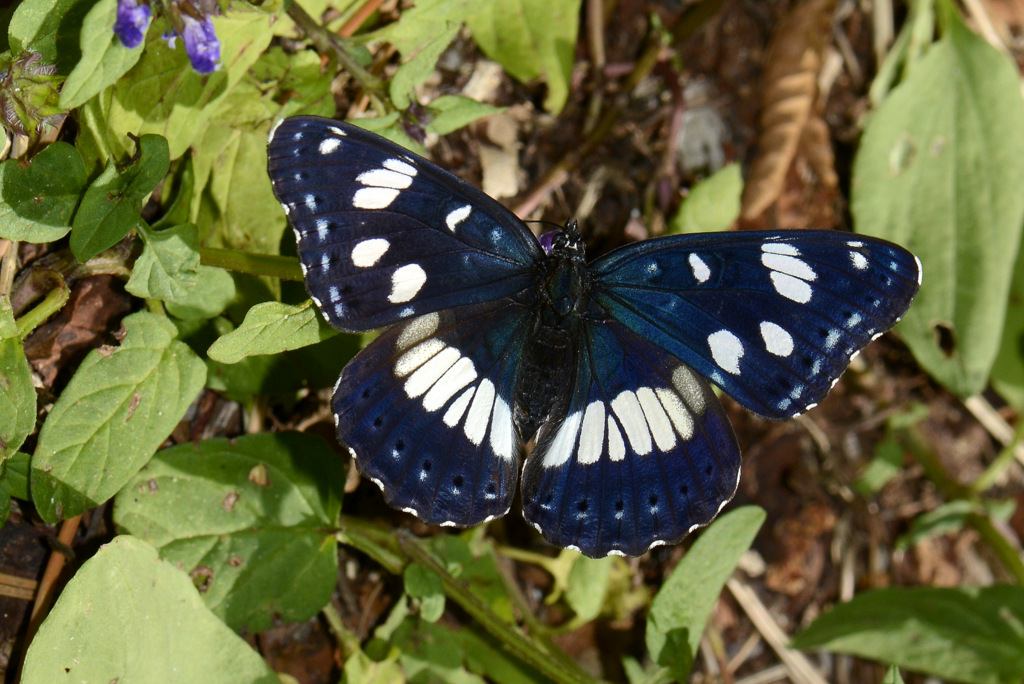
{"x":790,"y":120}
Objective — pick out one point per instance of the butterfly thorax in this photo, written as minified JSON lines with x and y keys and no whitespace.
{"x":564,"y":294}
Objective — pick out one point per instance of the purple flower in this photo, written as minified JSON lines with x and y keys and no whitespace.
{"x":132,"y":22}
{"x":201,"y":44}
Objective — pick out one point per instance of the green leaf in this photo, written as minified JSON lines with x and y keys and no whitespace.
{"x":712,"y":205}
{"x":236,"y":208}
{"x":361,"y":669}
{"x":168,"y":267}
{"x":531,"y":39}
{"x":163,"y":95}
{"x":424,"y":584}
{"x":104,"y":59}
{"x":1008,"y":370}
{"x":116,"y":411}
{"x":432,"y":653}
{"x":949,"y":517}
{"x":127,"y":616}
{"x":425,"y":20}
{"x":270,"y":328}
{"x":939,"y":171}
{"x":892,"y":676}
{"x":973,"y":635}
{"x":587,"y":585}
{"x":213,"y":292}
{"x":418,"y":68}
{"x":303,"y":86}
{"x":451,"y":112}
{"x":17,"y":398}
{"x":681,"y":608}
{"x":479,"y":573}
{"x":39,"y":198}
{"x":5,"y":503}
{"x":15,"y":477}
{"x":48,"y":27}
{"x":112,"y":205}
{"x":390,"y":127}
{"x":887,"y":464}
{"x":8,"y":326}
{"x":258,"y":536}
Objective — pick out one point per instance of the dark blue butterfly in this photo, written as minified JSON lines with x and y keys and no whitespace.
{"x":490,"y":339}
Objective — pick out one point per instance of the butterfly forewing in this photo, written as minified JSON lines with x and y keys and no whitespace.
{"x":426,"y":411}
{"x":384,"y":235}
{"x":773,"y":318}
{"x":643,"y":454}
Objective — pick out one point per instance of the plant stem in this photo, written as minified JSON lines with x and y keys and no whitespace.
{"x":285,"y":268}
{"x":511,"y":639}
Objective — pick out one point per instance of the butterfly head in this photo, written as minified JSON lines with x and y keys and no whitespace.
{"x":565,"y":243}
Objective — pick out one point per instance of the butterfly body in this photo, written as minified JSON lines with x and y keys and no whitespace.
{"x":490,"y":339}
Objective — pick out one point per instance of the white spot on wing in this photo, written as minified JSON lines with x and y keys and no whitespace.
{"x":374,"y":198}
{"x":789,"y":265}
{"x":592,"y":434}
{"x":368,"y":252}
{"x":780,"y":248}
{"x":457,"y":216}
{"x":454,"y":413}
{"x":616,"y":447}
{"x":657,"y":420}
{"x":382,"y":178}
{"x":860,"y":262}
{"x":726,"y":349}
{"x":689,"y":388}
{"x":417,"y":330}
{"x":321,"y":229}
{"x":455,"y":378}
{"x":700,"y":269}
{"x":561,"y":447}
{"x":337,"y":131}
{"x":329,"y":145}
{"x":776,"y":339}
{"x":791,"y":288}
{"x":832,"y":339}
{"x":400,"y":166}
{"x":501,"y":429}
{"x":430,"y":372}
{"x":406,"y":282}
{"x":627,"y":409}
{"x":680,"y":416}
{"x":417,"y":356}
{"x":480,"y":412}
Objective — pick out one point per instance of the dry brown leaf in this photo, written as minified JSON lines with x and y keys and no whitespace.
{"x":788,"y":104}
{"x":500,"y":162}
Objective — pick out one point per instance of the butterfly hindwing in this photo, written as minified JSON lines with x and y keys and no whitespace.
{"x":773,"y":318}
{"x":384,"y":235}
{"x":642,"y":454}
{"x":426,"y":411}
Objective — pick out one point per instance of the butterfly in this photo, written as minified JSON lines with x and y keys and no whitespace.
{"x":492,"y":337}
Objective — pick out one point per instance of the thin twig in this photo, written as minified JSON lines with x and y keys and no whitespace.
{"x":361,"y":15}
{"x":47,"y":585}
{"x":799,"y":667}
{"x":996,"y":425}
